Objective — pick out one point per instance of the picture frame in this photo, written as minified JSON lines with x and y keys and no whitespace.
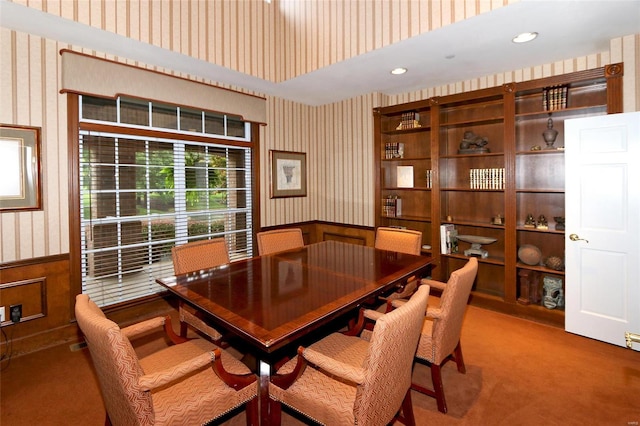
{"x":21,"y":187}
{"x":288,"y":174}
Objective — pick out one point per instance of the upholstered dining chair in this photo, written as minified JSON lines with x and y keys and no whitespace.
{"x":279,"y":240}
{"x":344,"y":379}
{"x":440,"y":337}
{"x":190,"y":382}
{"x":404,"y":241}
{"x":193,"y":257}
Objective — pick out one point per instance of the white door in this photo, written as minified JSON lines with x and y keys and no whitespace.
{"x":602,"y":237}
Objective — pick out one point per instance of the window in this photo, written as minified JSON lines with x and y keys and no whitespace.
{"x":142,"y":195}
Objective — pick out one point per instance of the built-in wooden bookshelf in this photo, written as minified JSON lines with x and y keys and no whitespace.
{"x":480,"y":162}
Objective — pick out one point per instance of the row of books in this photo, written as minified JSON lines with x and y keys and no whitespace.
{"x":393,"y":150}
{"x":554,"y":98}
{"x":392,"y":206}
{"x":409,"y":120}
{"x":448,"y":238}
{"x":486,"y":178}
{"x":428,"y":178}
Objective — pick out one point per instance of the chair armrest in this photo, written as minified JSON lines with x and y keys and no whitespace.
{"x":334,"y":367}
{"x":160,"y":378}
{"x":434,"y":313}
{"x":142,"y":327}
{"x":402,"y":291}
{"x":363,"y":314}
{"x":190,"y":318}
{"x":284,"y":381}
{"x":434,"y":284}
{"x":155,"y":380}
{"x":235,"y":381}
{"x":398,"y":302}
{"x":372,"y":315}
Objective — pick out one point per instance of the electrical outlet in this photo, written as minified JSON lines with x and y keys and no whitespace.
{"x":16,"y":312}
{"x":2,"y":317}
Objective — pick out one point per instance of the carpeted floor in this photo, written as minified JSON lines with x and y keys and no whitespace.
{"x":518,"y":373}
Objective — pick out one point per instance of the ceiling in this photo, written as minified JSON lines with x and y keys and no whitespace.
{"x":468,"y":49}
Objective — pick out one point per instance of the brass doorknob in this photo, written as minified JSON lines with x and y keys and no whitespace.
{"x":575,"y":237}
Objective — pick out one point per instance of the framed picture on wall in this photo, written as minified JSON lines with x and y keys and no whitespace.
{"x":20,"y":186}
{"x":288,"y":174}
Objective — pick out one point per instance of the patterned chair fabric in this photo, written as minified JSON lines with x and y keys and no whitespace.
{"x":401,"y":240}
{"x":404,"y":241}
{"x":279,"y":240}
{"x":349,"y":380}
{"x":440,"y":338}
{"x":174,"y":386}
{"x":193,"y":257}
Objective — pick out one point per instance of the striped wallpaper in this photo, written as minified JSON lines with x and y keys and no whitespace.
{"x":275,"y":41}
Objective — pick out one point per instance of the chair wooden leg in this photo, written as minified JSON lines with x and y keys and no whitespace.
{"x":407,"y":411}
{"x":183,"y":329}
{"x":438,"y":388}
{"x":183,"y":324}
{"x":459,"y":359}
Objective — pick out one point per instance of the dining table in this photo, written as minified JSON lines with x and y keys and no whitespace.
{"x":273,"y":302}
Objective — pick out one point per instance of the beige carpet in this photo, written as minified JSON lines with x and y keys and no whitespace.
{"x":518,"y":373}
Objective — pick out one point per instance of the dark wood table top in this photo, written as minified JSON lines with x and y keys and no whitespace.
{"x":270,"y":301}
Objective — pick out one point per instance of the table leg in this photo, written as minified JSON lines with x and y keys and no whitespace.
{"x":264,"y":370}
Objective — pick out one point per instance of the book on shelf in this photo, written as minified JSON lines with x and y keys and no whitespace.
{"x":554,"y":98}
{"x":448,"y":238}
{"x":405,"y":177}
{"x":392,"y":206}
{"x":393,"y":150}
{"x":409,"y":120}
{"x":428,"y":177}
{"x":492,"y":178}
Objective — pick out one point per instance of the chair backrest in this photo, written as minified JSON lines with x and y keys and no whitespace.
{"x":453,"y":304}
{"x":199,"y":255}
{"x":401,"y":240}
{"x":116,"y":365}
{"x":389,"y":361}
{"x":279,"y":240}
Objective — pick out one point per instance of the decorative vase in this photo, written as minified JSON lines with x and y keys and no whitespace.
{"x":550,"y":134}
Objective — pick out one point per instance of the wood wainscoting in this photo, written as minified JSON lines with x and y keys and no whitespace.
{"x":41,"y":286}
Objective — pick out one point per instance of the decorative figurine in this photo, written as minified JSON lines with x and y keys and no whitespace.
{"x":553,"y":292}
{"x":498,"y":220}
{"x":542,"y":223}
{"x":530,"y":222}
{"x":559,"y":223}
{"x":550,"y":134}
{"x":472,"y":144}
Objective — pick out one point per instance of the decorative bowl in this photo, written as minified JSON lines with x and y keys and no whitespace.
{"x":529,"y":254}
{"x":476,"y":239}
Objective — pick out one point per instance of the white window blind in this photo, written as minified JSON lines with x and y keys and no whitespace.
{"x":140,"y":196}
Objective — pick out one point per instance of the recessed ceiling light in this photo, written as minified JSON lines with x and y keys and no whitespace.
{"x":398,"y":71}
{"x":524,"y":37}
